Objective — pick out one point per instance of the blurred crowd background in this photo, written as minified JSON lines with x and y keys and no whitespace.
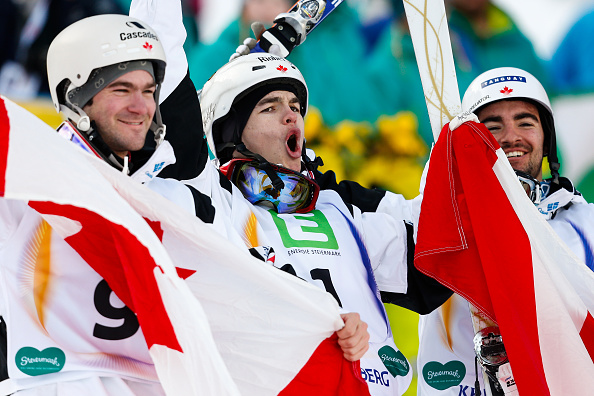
{"x":368,"y":119}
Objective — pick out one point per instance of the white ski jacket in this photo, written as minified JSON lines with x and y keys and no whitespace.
{"x":445,"y":361}
{"x":62,"y":326}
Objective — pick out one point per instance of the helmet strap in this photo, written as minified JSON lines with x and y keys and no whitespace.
{"x":308,"y":163}
{"x":548,"y":124}
{"x":78,"y":116}
{"x":91,"y":135}
{"x":157,"y":127}
{"x":277,"y":183}
{"x":553,"y":159}
{"x":95,"y":140}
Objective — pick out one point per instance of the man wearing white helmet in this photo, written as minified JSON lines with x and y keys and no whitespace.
{"x":253,"y":110}
{"x":109,"y":91}
{"x":514,"y":106}
{"x":110,"y":94}
{"x":70,"y":334}
{"x":265,"y":198}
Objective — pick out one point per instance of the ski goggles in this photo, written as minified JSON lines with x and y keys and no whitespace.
{"x":298,"y":195}
{"x":68,"y":131}
{"x":531,"y":186}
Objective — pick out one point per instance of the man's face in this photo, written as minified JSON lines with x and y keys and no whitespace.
{"x":123,"y":111}
{"x":516,"y":126}
{"x":275,"y":129}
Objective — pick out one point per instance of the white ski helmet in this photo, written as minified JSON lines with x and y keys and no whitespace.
{"x":510,"y":83}
{"x":97,"y":42}
{"x":233,"y":82}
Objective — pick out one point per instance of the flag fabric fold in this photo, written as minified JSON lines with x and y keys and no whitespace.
{"x":233,"y":326}
{"x":480,"y":235}
{"x":59,"y":182}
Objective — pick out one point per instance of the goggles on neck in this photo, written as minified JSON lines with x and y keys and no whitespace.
{"x":531,"y":186}
{"x":69,"y":132}
{"x":298,"y":195}
{"x":98,"y":148}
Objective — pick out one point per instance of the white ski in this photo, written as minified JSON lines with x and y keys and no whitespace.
{"x":431,"y":40}
{"x":292,"y":27}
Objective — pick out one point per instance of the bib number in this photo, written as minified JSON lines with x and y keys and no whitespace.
{"x":103,"y":304}
{"x":322,"y":274}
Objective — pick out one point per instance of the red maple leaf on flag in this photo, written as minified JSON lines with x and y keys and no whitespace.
{"x":147,"y":46}
{"x":506,"y":91}
{"x":281,"y":68}
{"x":183,"y":273}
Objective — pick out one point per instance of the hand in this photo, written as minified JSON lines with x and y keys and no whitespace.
{"x":249,"y":43}
{"x":353,"y":338}
{"x":461,"y":119}
{"x":506,"y":380}
{"x":244,"y":49}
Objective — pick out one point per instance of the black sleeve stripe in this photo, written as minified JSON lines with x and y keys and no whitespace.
{"x":424,"y":294}
{"x":3,"y":351}
{"x":254,"y":252}
{"x":225,"y":183}
{"x":350,"y":208}
{"x":203,"y":206}
{"x":183,"y":118}
{"x":366,"y":199}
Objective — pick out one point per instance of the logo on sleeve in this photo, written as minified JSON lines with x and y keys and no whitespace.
{"x":394,"y":361}
{"x":444,"y":376}
{"x":33,"y":362}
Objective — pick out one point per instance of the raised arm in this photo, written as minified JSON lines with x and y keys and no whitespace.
{"x":165,"y":17}
{"x":179,"y":104}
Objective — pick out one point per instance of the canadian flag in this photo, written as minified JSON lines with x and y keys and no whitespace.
{"x":481,"y":236}
{"x":234,"y":326}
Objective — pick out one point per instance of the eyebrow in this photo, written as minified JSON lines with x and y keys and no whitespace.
{"x":517,"y":117}
{"x":129,"y":85}
{"x":276,"y":99}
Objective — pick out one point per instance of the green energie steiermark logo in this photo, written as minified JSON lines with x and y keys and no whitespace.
{"x":308,"y":230}
{"x":444,"y":376}
{"x":32,"y":361}
{"x":394,"y":361}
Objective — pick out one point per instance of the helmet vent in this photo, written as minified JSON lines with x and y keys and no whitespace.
{"x":258,"y":67}
{"x":138,"y":25}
